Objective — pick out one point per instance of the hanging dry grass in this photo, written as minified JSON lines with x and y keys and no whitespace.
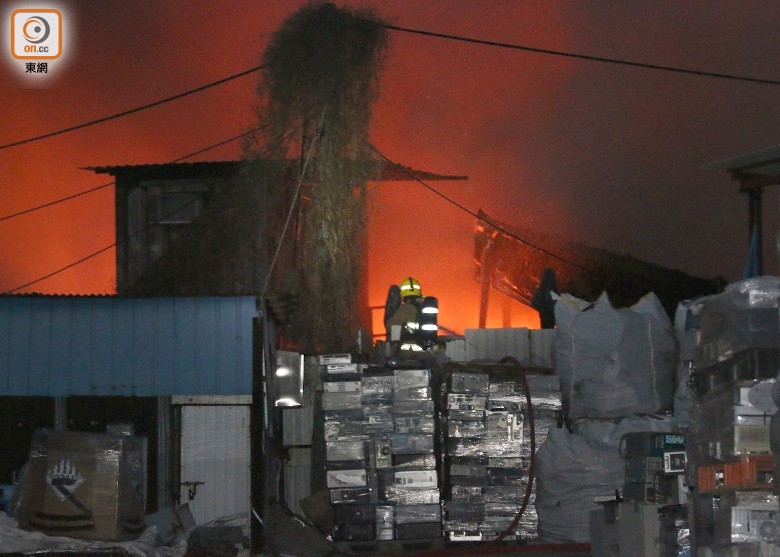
{"x":322,"y":66}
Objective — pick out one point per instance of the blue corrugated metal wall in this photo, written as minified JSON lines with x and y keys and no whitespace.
{"x":61,"y":346}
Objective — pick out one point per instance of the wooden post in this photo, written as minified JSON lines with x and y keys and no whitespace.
{"x":487,"y":266}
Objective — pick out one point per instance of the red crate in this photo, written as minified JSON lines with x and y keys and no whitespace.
{"x":749,"y":472}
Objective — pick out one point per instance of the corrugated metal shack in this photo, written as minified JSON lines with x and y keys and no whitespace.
{"x":161,"y":364}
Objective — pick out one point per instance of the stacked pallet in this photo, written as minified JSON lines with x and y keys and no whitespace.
{"x":487,"y":450}
{"x":380,"y":466}
{"x":735,"y":507}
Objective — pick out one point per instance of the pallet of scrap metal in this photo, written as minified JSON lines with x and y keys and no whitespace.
{"x":487,"y":451}
{"x":730,"y":441}
{"x":738,"y":523}
{"x":738,"y":334}
{"x":380,"y":454}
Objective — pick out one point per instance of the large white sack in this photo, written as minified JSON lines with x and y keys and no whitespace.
{"x":574,"y":468}
{"x":615,"y":362}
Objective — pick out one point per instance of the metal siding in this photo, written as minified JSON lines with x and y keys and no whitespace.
{"x":242,"y":343}
{"x":60,"y":350}
{"x":122,"y":362}
{"x":19,"y":365}
{"x":5,"y":346}
{"x":145,"y":347}
{"x":495,"y":344}
{"x":215,"y":451}
{"x":163,"y":357}
{"x":80,"y":371}
{"x":185,"y":350}
{"x":207,"y":328}
{"x":60,"y":346}
{"x":102,"y":347}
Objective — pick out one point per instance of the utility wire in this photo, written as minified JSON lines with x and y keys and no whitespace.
{"x":405,"y":30}
{"x":301,"y":177}
{"x":133,"y":110}
{"x":55,"y":202}
{"x":584,"y":56}
{"x":103,"y":186}
{"x":477,"y":216}
{"x":113,"y":245}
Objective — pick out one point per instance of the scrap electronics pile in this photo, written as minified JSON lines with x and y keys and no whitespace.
{"x":401,"y":443}
{"x":487,"y":449}
{"x":380,"y":451}
{"x":734,"y":499}
{"x":699,"y":482}
{"x":666,"y":449}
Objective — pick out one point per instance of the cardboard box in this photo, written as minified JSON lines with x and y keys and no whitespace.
{"x":84,"y":485}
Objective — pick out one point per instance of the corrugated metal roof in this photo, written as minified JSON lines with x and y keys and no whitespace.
{"x":379,"y":170}
{"x":764,"y":162}
{"x":62,"y":346}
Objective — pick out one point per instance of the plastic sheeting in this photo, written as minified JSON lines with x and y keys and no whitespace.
{"x":85,"y":485}
{"x":615,"y":362}
{"x":574,"y":468}
{"x":687,"y":321}
{"x":743,"y":317}
{"x":13,"y":539}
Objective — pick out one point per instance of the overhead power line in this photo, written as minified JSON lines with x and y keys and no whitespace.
{"x":108,"y":184}
{"x":114,"y":244}
{"x":498,"y":227}
{"x":584,"y":56}
{"x":132,"y":110}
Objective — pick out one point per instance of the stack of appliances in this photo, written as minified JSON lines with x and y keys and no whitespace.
{"x":735,"y":505}
{"x":381,"y":463}
{"x":487,"y":450}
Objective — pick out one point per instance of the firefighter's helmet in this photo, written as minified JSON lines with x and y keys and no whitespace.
{"x":410,"y":287}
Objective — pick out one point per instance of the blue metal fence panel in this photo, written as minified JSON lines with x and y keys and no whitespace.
{"x":62,"y":346}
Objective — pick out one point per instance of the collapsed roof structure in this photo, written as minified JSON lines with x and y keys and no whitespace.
{"x":512,"y":260}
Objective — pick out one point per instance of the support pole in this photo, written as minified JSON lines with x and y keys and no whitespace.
{"x":755,"y":210}
{"x":487,"y":267}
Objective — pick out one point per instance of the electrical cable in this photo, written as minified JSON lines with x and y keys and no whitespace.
{"x":133,"y":110}
{"x":532,"y":433}
{"x":55,"y":202}
{"x":461,"y":38}
{"x":477,"y":216}
{"x":301,"y":176}
{"x":114,"y":244}
{"x":605,"y":59}
{"x":106,"y":185}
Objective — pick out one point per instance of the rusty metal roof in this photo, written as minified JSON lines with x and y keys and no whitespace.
{"x":380,"y":171}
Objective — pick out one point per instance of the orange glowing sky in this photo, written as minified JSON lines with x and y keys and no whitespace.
{"x":601,"y":154}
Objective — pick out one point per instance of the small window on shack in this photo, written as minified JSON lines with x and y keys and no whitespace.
{"x":181,"y":207}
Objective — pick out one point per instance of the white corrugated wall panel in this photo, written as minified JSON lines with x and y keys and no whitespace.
{"x":542,"y":348}
{"x":215,"y":451}
{"x":495,"y":344}
{"x":297,"y":425}
{"x":297,"y":478}
{"x":456,"y":349}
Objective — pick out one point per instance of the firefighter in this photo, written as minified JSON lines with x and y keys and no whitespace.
{"x":408,"y":315}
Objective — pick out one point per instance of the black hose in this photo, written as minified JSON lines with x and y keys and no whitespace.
{"x":532,"y":464}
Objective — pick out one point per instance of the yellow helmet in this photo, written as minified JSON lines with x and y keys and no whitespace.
{"x":410,"y":287}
